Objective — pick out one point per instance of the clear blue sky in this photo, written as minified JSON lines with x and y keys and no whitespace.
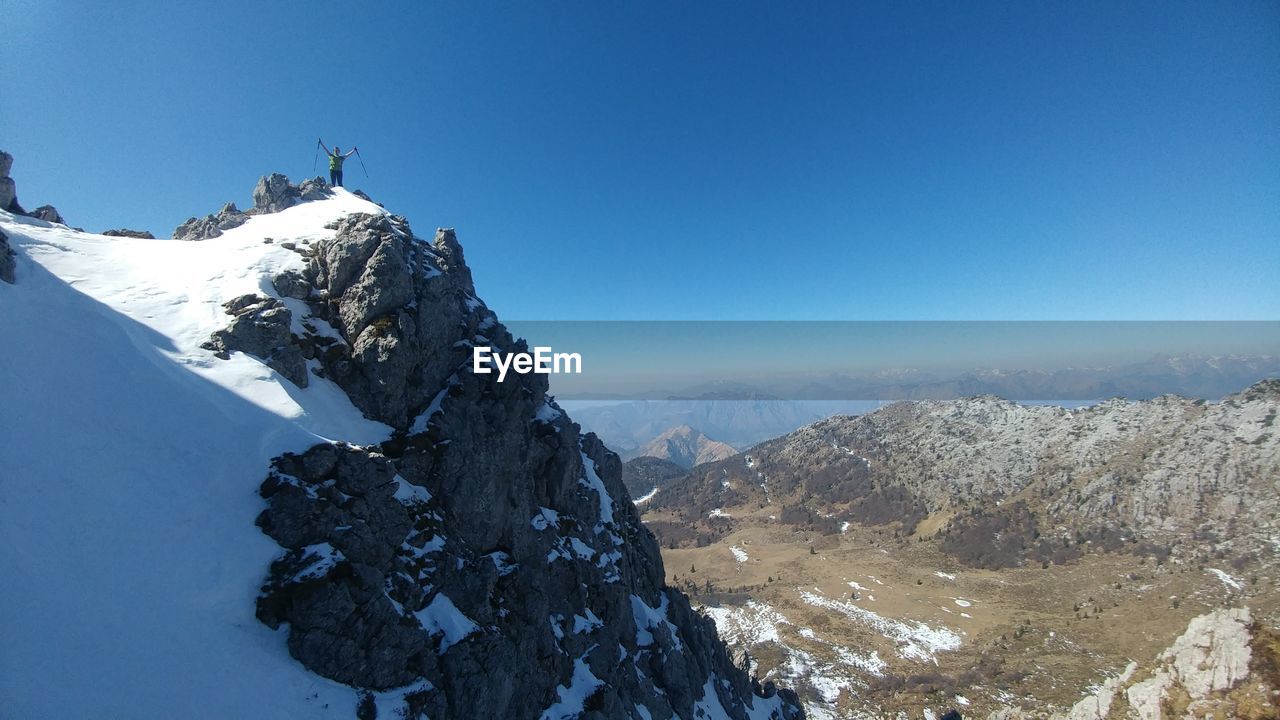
{"x":700,"y":160}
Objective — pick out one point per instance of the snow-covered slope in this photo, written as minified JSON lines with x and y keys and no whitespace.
{"x":129,"y":476}
{"x":404,"y":560}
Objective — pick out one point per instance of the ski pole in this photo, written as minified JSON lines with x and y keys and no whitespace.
{"x":316,"y":159}
{"x":362,"y":167}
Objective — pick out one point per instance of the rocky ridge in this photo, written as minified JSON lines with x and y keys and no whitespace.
{"x":1000,"y":483}
{"x":273,"y":193}
{"x":484,"y":562}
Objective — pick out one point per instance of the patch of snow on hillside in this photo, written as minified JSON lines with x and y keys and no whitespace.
{"x":916,"y":640}
{"x":739,"y":554}
{"x":408,"y":492}
{"x":826,"y":679}
{"x":588,"y":623}
{"x":1227,"y":579}
{"x":752,"y":624}
{"x":423,"y":420}
{"x":442,"y":617}
{"x":646,"y":497}
{"x":571,"y":698}
{"x":545,"y":518}
{"x":591,"y":479}
{"x":547,"y":412}
{"x":647,"y":618}
{"x":945,"y":576}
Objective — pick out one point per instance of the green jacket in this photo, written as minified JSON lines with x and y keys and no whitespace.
{"x":335,"y":162}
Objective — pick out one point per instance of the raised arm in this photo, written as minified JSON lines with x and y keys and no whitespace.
{"x":351,"y":152}
{"x":327,"y":151}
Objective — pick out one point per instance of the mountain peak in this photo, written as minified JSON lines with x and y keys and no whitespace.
{"x":686,"y":446}
{"x":430,"y":529}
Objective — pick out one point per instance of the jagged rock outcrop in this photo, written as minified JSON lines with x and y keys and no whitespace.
{"x":211,"y":226}
{"x":127,"y":233}
{"x":398,"y":308}
{"x":261,"y":327}
{"x":1097,"y":706}
{"x":486,"y":561}
{"x":9,"y":195}
{"x":273,"y":193}
{"x":1206,"y":672}
{"x":1211,"y":656}
{"x":6,"y":259}
{"x":8,"y":190}
{"x":48,"y":213}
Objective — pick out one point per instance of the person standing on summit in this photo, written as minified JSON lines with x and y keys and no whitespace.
{"x":336,"y":159}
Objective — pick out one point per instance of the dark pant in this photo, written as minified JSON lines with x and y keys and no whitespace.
{"x":335,"y":178}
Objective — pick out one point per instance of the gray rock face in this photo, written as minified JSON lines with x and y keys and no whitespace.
{"x":274,"y":193}
{"x":487,"y":558}
{"x":261,"y":328}
{"x":127,"y":233}
{"x":47,"y":213}
{"x":211,"y":226}
{"x":397,"y":309}
{"x":9,"y":195}
{"x":6,"y":259}
{"x":314,"y":189}
{"x":8,"y":190}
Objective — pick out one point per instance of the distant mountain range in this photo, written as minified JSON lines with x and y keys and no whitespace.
{"x":1196,"y":376}
{"x":1209,"y":377}
{"x":628,"y":427}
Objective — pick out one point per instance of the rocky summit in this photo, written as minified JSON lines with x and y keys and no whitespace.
{"x":292,"y":431}
{"x":486,"y":561}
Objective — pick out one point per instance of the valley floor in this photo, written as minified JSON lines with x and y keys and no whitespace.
{"x":868,"y":625}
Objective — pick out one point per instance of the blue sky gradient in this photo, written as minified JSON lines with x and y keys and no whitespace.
{"x":671,"y":161}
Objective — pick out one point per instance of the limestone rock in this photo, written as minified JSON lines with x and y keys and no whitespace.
{"x":8,"y":190}
{"x":48,"y":213}
{"x":292,"y":284}
{"x":1213,"y":654}
{"x":211,"y":226}
{"x":486,"y":555}
{"x":373,"y":281}
{"x":274,"y":193}
{"x":262,"y":328}
{"x":127,"y":233}
{"x":314,"y":189}
{"x":1098,"y":705}
{"x":9,"y":196}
